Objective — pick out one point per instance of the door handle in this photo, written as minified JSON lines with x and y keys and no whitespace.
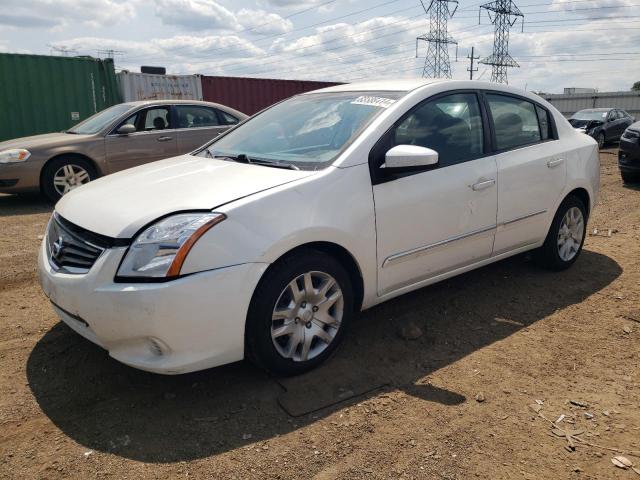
{"x":164,"y":139}
{"x":555,"y":162}
{"x":482,"y":185}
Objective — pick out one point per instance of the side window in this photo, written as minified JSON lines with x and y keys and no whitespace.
{"x":450,"y":125}
{"x":194,"y":116}
{"x":545,"y":123}
{"x":227,"y":118}
{"x":515,"y":121}
{"x":156,"y":118}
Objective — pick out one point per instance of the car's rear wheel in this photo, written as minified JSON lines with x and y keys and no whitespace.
{"x":299,"y":313}
{"x":628,"y":177}
{"x":566,"y":235}
{"x":63,"y":174}
{"x":601,"y":140}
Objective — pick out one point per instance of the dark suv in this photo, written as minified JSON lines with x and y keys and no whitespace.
{"x":629,"y":154}
{"x":603,"y":124}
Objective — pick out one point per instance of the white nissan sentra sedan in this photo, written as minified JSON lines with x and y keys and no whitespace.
{"x":265,"y":242}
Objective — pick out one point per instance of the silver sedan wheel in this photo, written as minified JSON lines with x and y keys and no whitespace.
{"x":307,"y":316}
{"x":570,"y":234}
{"x":68,"y":177}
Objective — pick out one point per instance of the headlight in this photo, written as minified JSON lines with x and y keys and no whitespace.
{"x":160,"y":250}
{"x":14,"y":155}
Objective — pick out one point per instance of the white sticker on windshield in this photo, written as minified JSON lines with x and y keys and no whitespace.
{"x":373,"y":101}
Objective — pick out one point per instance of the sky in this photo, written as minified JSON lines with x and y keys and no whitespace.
{"x":562,"y":43}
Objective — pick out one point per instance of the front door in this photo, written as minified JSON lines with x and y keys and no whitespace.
{"x":532,"y":168}
{"x":443,"y":218}
{"x":154,"y":139}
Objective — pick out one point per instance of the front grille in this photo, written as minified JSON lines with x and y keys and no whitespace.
{"x":71,"y":249}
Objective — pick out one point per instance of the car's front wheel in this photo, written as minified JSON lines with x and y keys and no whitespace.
{"x":601,"y":140}
{"x":63,"y":174}
{"x":566,"y":235}
{"x":299,"y":313}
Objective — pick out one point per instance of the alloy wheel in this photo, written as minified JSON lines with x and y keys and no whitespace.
{"x":68,"y":177}
{"x":307,"y":316}
{"x":570,"y":234}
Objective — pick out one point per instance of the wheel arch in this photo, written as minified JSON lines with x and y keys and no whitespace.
{"x":341,"y":254}
{"x":72,"y":155}
{"x":583,"y":195}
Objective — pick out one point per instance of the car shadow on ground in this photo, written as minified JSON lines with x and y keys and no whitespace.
{"x":23,"y":204}
{"x":109,"y":407}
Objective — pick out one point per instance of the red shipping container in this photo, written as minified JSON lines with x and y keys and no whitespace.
{"x":250,"y":95}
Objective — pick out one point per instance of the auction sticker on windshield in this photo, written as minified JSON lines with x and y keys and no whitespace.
{"x":373,"y":101}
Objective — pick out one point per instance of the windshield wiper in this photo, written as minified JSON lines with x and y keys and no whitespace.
{"x":242,"y":158}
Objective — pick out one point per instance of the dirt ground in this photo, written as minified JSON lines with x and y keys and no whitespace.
{"x":382,"y":407}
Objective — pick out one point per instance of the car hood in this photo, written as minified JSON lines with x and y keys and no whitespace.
{"x":39,"y":141}
{"x":119,"y":205}
{"x":586,"y":124}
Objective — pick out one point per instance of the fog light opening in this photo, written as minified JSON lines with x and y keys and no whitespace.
{"x":156,"y":347}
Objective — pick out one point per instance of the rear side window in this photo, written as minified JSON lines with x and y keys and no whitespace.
{"x":227,"y":118}
{"x":194,"y":116}
{"x":545,"y":123}
{"x":515,"y":121}
{"x":450,"y":125}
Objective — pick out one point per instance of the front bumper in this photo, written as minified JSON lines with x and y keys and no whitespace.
{"x":20,"y":177}
{"x":629,"y":155}
{"x":188,"y":324}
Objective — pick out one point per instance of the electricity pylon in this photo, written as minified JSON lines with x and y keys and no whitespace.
{"x":436,"y":63}
{"x":505,"y":15}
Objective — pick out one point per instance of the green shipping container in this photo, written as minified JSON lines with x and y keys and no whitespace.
{"x":43,"y":94}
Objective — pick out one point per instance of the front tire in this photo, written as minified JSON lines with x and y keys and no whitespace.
{"x":566,"y":235}
{"x":63,"y":174}
{"x":601,"y":140}
{"x":299,"y":313}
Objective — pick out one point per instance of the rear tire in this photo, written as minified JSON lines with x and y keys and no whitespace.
{"x":566,"y":236}
{"x":65,"y":173}
{"x":289,"y":333}
{"x":628,"y":177}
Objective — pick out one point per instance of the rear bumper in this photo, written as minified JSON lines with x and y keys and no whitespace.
{"x":189,"y":324}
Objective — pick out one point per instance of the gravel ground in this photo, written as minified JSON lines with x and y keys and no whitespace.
{"x":455,"y":402}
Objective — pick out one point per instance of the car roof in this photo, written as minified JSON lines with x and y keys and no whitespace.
{"x":399,"y":85}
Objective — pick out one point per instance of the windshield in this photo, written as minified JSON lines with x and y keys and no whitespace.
{"x":308,"y":131}
{"x":590,"y":115}
{"x":97,"y":122}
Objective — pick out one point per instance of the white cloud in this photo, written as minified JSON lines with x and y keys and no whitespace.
{"x":196,"y":14}
{"x":63,"y":13}
{"x":605,"y":8}
{"x":263,"y":22}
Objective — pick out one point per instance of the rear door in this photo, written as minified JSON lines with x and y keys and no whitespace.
{"x":196,"y":125}
{"x":154,"y":139}
{"x":532,"y":167}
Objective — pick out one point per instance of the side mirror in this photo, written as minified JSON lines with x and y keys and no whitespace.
{"x":126,"y":129}
{"x":410,"y":156}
